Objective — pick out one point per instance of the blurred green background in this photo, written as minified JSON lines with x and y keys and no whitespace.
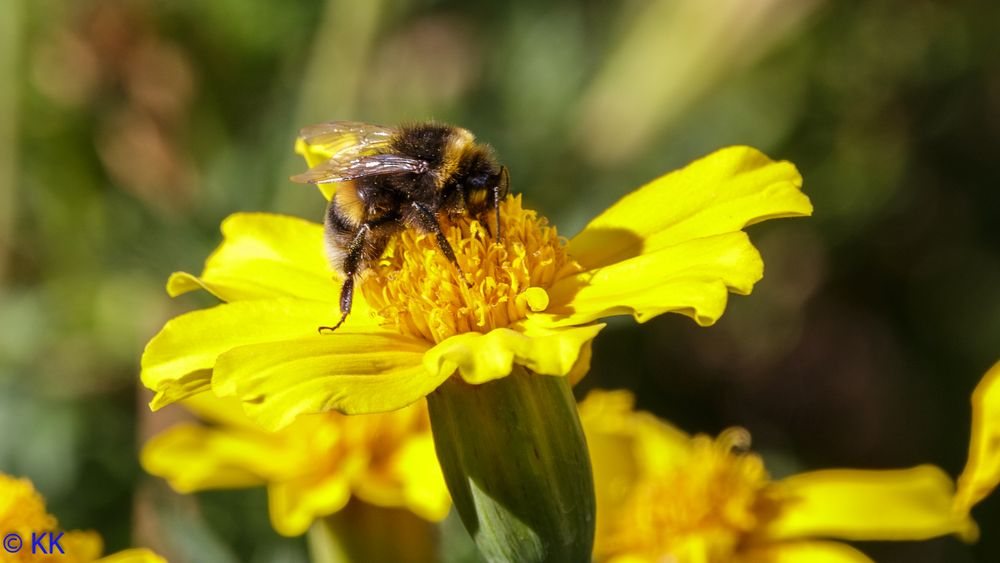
{"x":129,"y":129}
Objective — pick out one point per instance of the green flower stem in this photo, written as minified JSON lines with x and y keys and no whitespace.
{"x":515,"y":460}
{"x":361,"y":532}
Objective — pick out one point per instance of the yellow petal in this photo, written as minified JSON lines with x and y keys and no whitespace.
{"x":982,"y":471}
{"x":350,"y":372}
{"x":195,"y":458}
{"x":632,"y":558}
{"x":264,"y":256}
{"x":412,"y":479}
{"x":424,"y":488}
{"x":720,"y":193}
{"x":177,"y":362}
{"x":904,"y":504}
{"x":294,"y":505}
{"x":611,"y":424}
{"x":220,"y":411}
{"x":607,"y":420}
{"x":315,"y":154}
{"x":582,"y":365}
{"x":139,"y":555}
{"x":625,"y":445}
{"x":803,"y":552}
{"x":485,"y":357}
{"x":80,"y":546}
{"x":21,"y":506}
{"x":693,"y":278}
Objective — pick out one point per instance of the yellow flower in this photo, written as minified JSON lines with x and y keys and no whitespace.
{"x":674,"y":245}
{"x":22,"y":512}
{"x":311,"y":468}
{"x":982,"y":471}
{"x":665,"y":496}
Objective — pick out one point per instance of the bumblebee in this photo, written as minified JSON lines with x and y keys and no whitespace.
{"x":392,"y":178}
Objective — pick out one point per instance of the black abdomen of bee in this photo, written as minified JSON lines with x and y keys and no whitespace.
{"x":360,"y":219}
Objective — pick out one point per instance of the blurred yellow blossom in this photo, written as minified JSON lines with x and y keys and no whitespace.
{"x":311,"y":468}
{"x":675,"y":245}
{"x":982,"y":471}
{"x":22,"y":512}
{"x":665,"y":496}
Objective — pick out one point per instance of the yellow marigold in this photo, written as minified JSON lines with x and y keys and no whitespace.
{"x":674,"y":245}
{"x":311,"y":468}
{"x":982,"y":470}
{"x":665,"y":496}
{"x":22,"y":514}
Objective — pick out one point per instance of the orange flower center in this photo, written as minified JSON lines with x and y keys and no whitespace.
{"x":697,"y":510}
{"x":22,"y":511}
{"x":415,"y":288}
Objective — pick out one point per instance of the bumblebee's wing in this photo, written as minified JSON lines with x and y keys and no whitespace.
{"x":354,"y":137}
{"x":355,"y":151}
{"x":346,"y":166}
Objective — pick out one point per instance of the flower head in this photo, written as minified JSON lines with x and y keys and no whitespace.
{"x":674,"y":245}
{"x":311,"y":468}
{"x":708,"y":502}
{"x":22,"y":512}
{"x":415,"y":288}
{"x":665,"y":496}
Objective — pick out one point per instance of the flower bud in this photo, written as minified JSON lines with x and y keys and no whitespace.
{"x":514,"y":456}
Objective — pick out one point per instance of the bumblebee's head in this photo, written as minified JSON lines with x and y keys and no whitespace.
{"x":484,"y":181}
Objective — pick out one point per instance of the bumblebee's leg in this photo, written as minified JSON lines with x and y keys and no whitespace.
{"x":355,"y":251}
{"x":429,"y":222}
{"x":346,"y":297}
{"x":351,"y":261}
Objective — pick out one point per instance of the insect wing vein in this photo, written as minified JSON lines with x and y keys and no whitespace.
{"x":353,"y":137}
{"x":344,"y":167}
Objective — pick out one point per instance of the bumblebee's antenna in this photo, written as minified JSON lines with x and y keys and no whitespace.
{"x":501,"y":187}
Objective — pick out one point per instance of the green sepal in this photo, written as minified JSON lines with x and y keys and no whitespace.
{"x":515,"y":459}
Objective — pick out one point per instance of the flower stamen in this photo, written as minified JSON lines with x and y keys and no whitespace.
{"x":415,"y":287}
{"x":700,"y":509}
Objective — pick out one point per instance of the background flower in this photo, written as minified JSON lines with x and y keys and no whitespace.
{"x":311,"y":468}
{"x":662,"y":493}
{"x":22,"y":512}
{"x":982,"y":470}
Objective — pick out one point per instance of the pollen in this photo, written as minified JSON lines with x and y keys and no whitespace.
{"x":417,"y":290}
{"x":698,"y":510}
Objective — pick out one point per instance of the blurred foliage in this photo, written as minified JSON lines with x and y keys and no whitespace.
{"x":129,"y":129}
